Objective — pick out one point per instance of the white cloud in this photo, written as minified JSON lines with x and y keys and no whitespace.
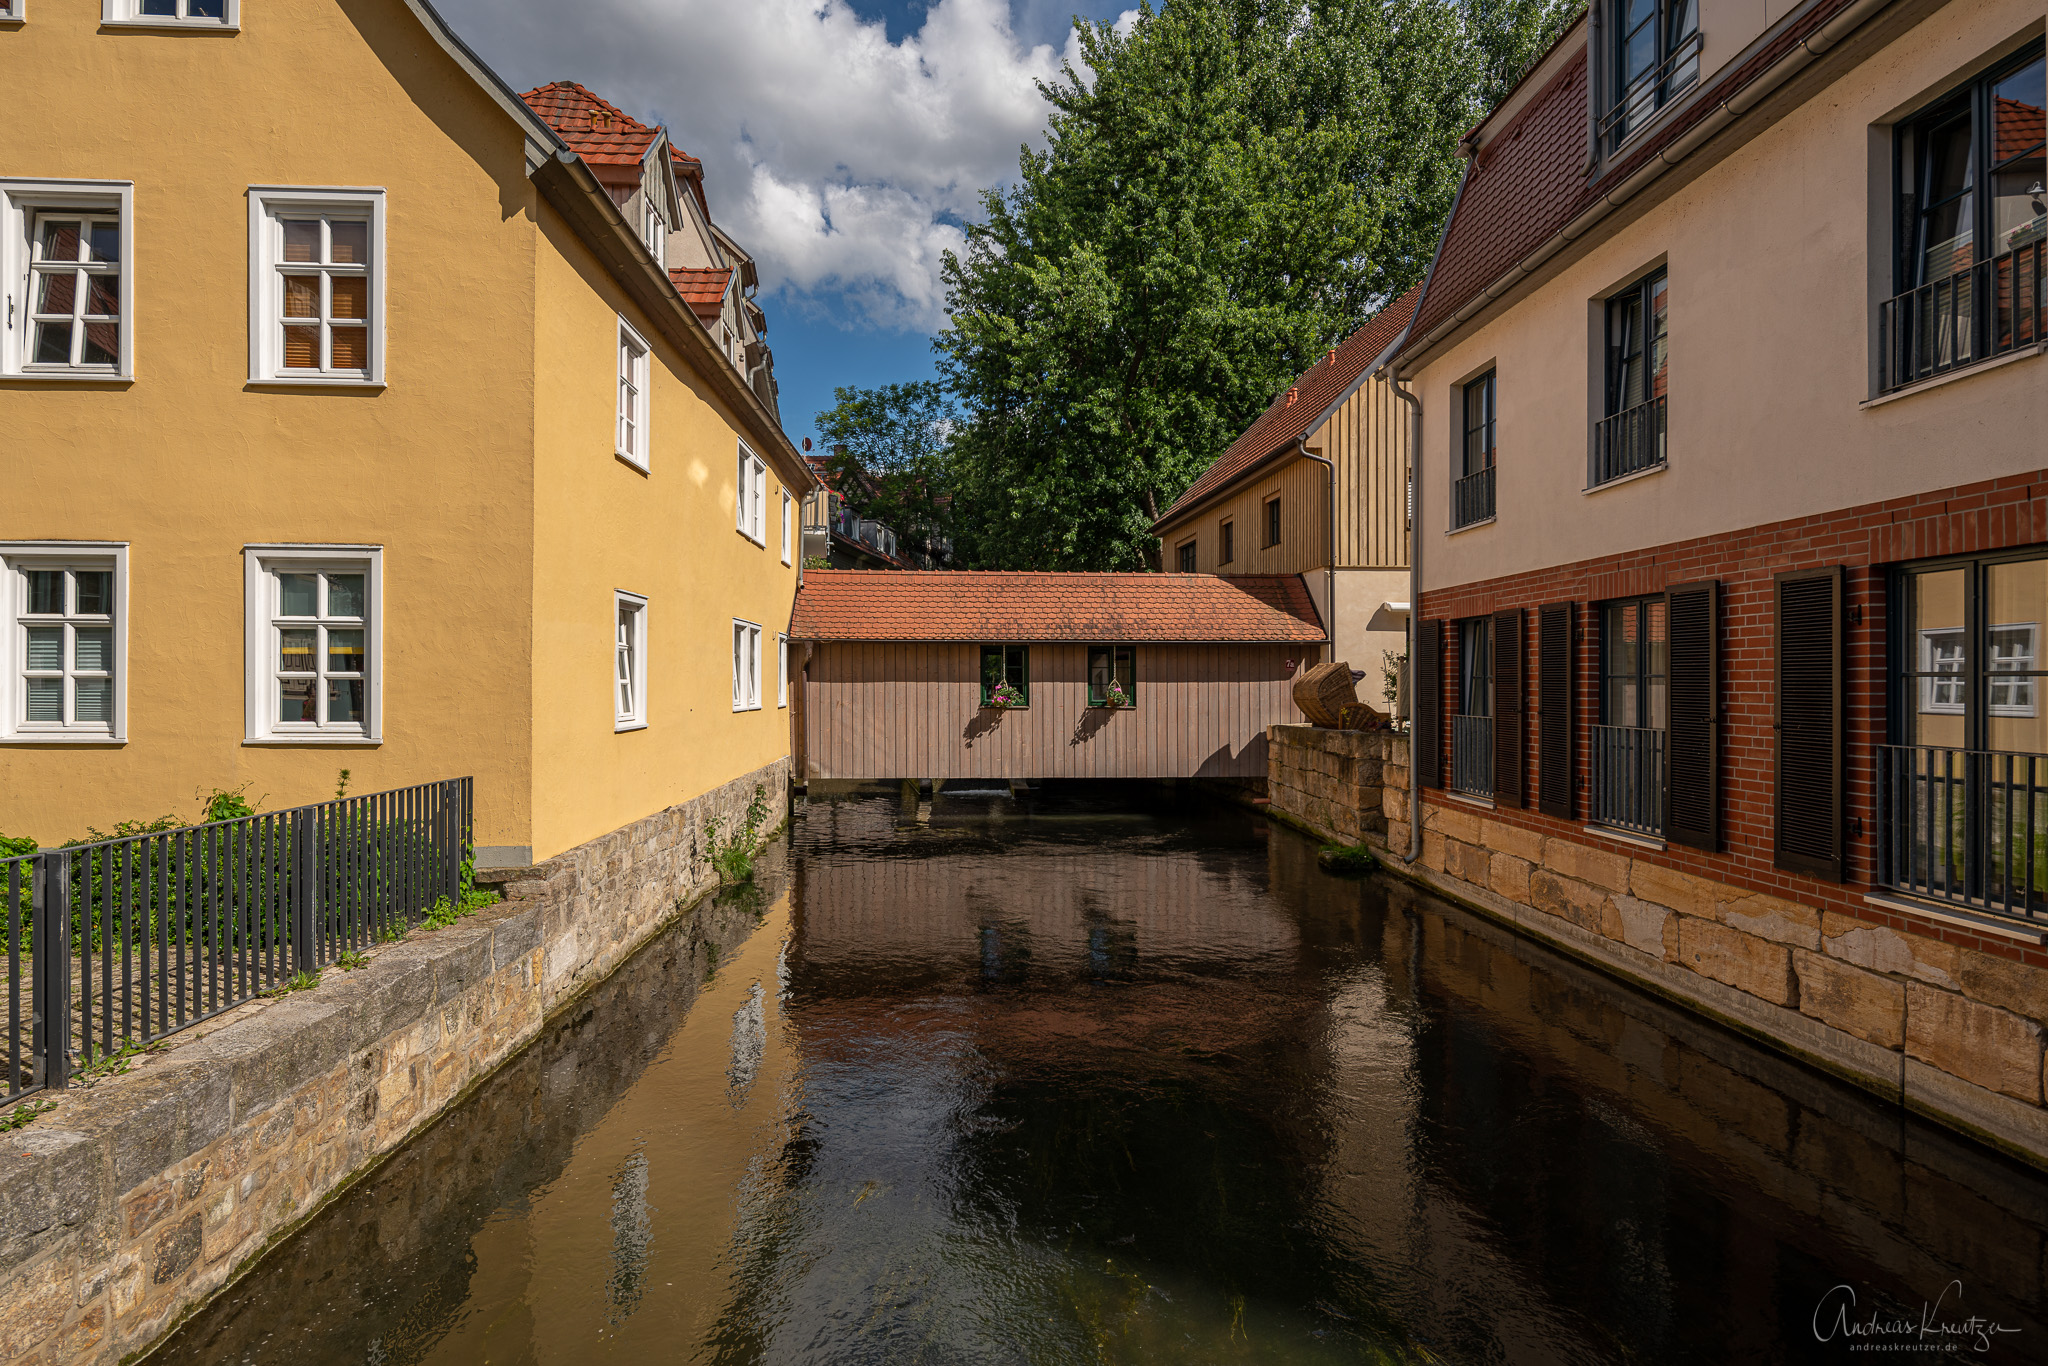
{"x":840,"y":159}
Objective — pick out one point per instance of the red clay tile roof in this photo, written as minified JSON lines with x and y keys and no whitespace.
{"x":1528,"y":181}
{"x":597,"y":130}
{"x":703,"y":289}
{"x":1002,"y":605}
{"x":1296,"y":412}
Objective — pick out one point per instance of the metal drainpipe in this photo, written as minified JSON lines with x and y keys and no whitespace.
{"x":1414,"y":603}
{"x":1330,"y":545}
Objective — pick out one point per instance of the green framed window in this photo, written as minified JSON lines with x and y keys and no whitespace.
{"x":1009,"y":664}
{"x":1112,"y":664}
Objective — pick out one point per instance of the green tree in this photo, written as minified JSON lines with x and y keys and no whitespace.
{"x":1231,"y":188}
{"x":891,"y":458}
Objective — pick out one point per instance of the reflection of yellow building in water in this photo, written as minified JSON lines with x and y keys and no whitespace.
{"x":355,"y":421}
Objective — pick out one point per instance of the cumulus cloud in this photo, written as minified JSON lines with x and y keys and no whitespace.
{"x":843,"y":161}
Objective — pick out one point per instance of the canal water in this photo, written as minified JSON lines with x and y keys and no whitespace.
{"x":1100,"y":1076}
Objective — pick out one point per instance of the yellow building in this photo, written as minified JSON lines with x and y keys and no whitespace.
{"x":352,"y":418}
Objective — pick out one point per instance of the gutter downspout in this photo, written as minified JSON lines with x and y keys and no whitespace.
{"x":1329,"y":545}
{"x":1414,"y":601}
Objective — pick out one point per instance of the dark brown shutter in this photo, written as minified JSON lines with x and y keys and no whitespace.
{"x":1692,"y":749}
{"x":1554,"y":757}
{"x":1510,"y":741}
{"x":1806,"y":712}
{"x":1427,"y":703}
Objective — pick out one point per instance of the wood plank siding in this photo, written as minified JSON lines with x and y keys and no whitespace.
{"x":1366,"y":438}
{"x":906,"y":709}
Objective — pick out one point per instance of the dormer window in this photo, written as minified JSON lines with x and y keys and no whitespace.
{"x":1653,"y":52}
{"x":655,"y":232}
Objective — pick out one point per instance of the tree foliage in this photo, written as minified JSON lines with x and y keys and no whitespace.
{"x":891,"y":452}
{"x":1227,"y":190}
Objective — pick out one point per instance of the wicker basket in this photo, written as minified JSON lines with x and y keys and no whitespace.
{"x":1323,"y":691}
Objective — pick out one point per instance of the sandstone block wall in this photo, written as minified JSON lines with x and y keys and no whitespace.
{"x":1329,"y":779}
{"x":140,"y":1196}
{"x":1952,"y":1024}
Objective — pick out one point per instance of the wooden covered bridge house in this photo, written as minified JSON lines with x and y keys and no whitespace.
{"x":905,"y":676}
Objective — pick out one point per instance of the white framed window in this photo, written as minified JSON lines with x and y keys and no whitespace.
{"x":785,"y":526}
{"x":67,"y":256}
{"x":746,"y":666}
{"x":654,"y":231}
{"x":750,"y":510}
{"x":2012,"y":652}
{"x":315,"y":643}
{"x":12,"y":11}
{"x":629,"y":663}
{"x":1941,"y":672}
{"x":316,"y":286}
{"x":66,"y":650}
{"x":220,"y":14}
{"x":633,"y":398}
{"x":781,"y":670}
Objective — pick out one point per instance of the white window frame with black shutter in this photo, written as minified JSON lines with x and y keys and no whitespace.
{"x":629,"y":661}
{"x":69,"y":623}
{"x":270,"y":206}
{"x":265,"y":620}
{"x":746,"y":665}
{"x":24,"y":204}
{"x":131,"y":14}
{"x":630,"y":437}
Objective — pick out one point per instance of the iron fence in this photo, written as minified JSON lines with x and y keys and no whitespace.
{"x":1628,"y":778}
{"x":1979,"y":313}
{"x":1472,"y":498}
{"x":119,"y":942}
{"x":1472,"y":755}
{"x":1627,"y":443}
{"x":1964,"y":826}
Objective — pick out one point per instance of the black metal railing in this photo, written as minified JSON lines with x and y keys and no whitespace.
{"x":1627,"y":443}
{"x":1628,"y":778}
{"x":1964,"y":826}
{"x":1472,"y":755}
{"x":1472,"y":498}
{"x":1648,"y":92}
{"x":120,"y":942}
{"x":1977,"y":314}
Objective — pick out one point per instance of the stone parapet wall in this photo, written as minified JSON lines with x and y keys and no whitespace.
{"x":141,"y":1196}
{"x":1330,"y":780}
{"x":1954,"y":1030}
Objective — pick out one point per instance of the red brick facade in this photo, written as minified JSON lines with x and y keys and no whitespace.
{"x":1865,"y":541}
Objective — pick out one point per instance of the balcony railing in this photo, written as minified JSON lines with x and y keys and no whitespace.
{"x":1627,"y":443}
{"x":1648,"y":92}
{"x":1628,"y":778}
{"x":1969,"y":827}
{"x":1974,"y":315}
{"x":1472,"y":755}
{"x":1472,"y":498}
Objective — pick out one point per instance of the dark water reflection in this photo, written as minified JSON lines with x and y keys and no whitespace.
{"x":1077,"y":1080}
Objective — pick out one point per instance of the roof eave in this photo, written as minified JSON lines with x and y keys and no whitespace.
{"x":540,"y":138}
{"x":567,"y":182}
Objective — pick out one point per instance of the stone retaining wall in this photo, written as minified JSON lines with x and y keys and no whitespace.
{"x":139,"y":1197}
{"x":1955,"y":1031}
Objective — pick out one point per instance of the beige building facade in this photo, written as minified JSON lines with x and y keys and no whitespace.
{"x":1734,"y":547}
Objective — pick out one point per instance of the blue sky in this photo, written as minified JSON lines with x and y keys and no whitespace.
{"x":844,"y":142}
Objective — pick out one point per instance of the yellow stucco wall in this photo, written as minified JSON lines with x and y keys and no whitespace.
{"x":484,"y":465}
{"x":667,"y":535}
{"x":188,"y":464}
